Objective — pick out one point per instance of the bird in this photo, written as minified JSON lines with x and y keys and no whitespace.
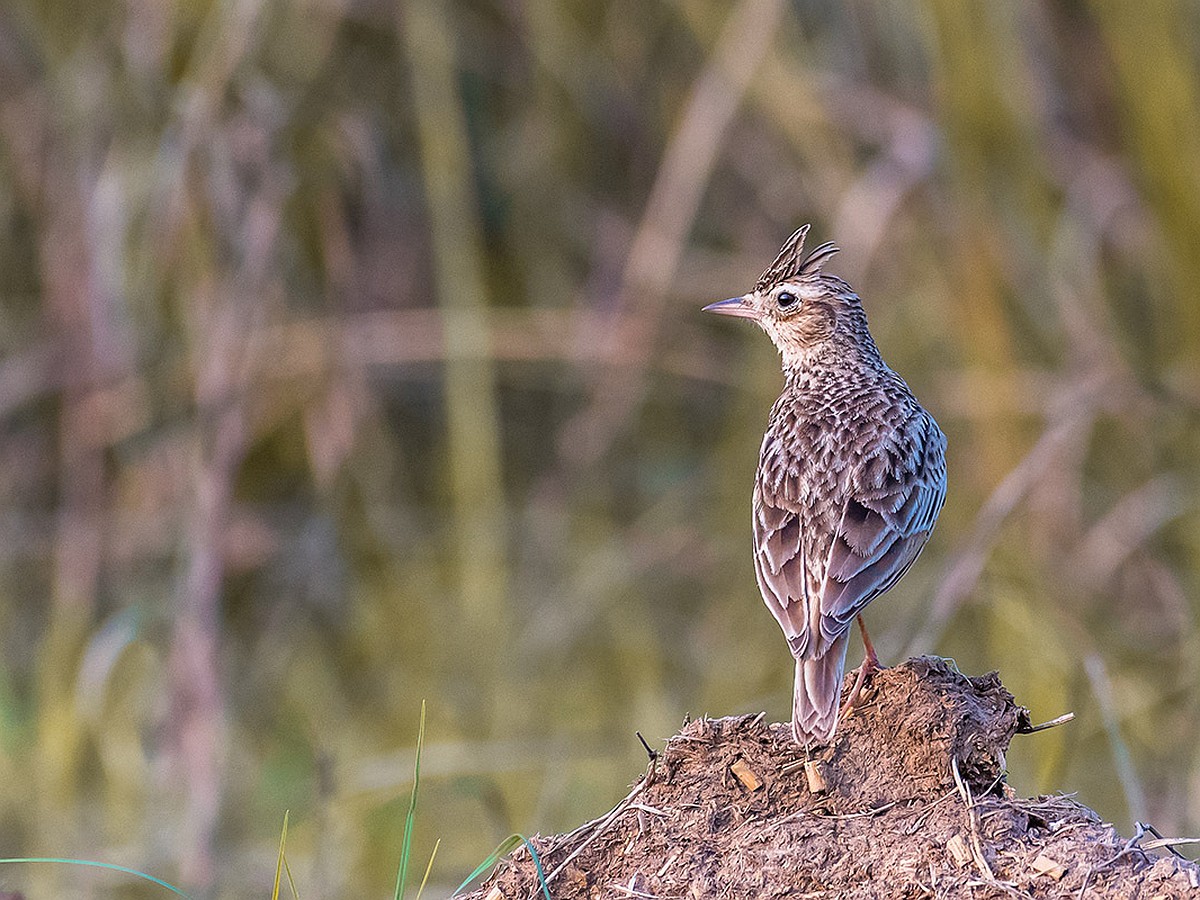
{"x":850,"y":478}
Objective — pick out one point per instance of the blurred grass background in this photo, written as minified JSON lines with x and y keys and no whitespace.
{"x":350,"y":355}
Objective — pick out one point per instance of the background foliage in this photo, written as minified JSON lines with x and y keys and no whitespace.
{"x":350,"y":355}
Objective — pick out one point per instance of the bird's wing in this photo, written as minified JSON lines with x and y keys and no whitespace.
{"x":894,"y":498}
{"x":779,"y":565}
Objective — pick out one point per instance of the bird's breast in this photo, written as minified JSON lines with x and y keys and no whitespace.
{"x":822,"y":430}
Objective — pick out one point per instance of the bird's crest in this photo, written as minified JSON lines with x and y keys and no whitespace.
{"x":793,"y":263}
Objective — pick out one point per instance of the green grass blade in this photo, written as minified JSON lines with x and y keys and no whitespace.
{"x":505,"y":847}
{"x":406,"y":846}
{"x":429,"y":868}
{"x":291,"y":881}
{"x":279,"y":861}
{"x":537,"y":864}
{"x":112,"y":867}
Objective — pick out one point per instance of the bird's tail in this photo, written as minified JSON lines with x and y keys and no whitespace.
{"x":817,"y":694}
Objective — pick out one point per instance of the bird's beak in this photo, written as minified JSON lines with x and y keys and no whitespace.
{"x":734,"y":306}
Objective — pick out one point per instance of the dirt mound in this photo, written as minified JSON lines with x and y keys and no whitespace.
{"x":908,"y":802}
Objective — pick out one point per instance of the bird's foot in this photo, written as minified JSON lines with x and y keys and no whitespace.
{"x":870,"y":665}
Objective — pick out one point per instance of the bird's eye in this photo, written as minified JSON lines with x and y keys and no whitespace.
{"x":786,"y":299}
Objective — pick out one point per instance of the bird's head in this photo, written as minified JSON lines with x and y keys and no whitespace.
{"x":794,"y":304}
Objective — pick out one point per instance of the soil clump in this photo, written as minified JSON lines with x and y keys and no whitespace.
{"x":909,"y":801}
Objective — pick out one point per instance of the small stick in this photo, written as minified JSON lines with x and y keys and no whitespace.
{"x":650,"y":752}
{"x":1045,"y":865}
{"x":601,"y":825}
{"x":779,"y":823}
{"x":1053,"y":723}
{"x":746,"y":775}
{"x":920,"y":819}
{"x":815,"y":777}
{"x":957,"y":848}
{"x":1087,"y":880}
{"x":976,"y":846}
{"x":670,"y":862}
{"x":1169,"y":843}
{"x":863,"y":814}
{"x":633,"y":892}
{"x":650,"y":809}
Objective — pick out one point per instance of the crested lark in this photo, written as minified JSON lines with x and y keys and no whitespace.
{"x":850,"y":479}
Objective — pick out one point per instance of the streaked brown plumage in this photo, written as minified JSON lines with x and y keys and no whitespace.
{"x":850,"y":479}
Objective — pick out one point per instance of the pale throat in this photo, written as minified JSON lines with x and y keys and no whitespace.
{"x":797,"y":353}
{"x":823,"y":357}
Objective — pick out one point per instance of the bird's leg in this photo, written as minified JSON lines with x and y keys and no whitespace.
{"x":870,"y":665}
{"x":870,"y":658}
